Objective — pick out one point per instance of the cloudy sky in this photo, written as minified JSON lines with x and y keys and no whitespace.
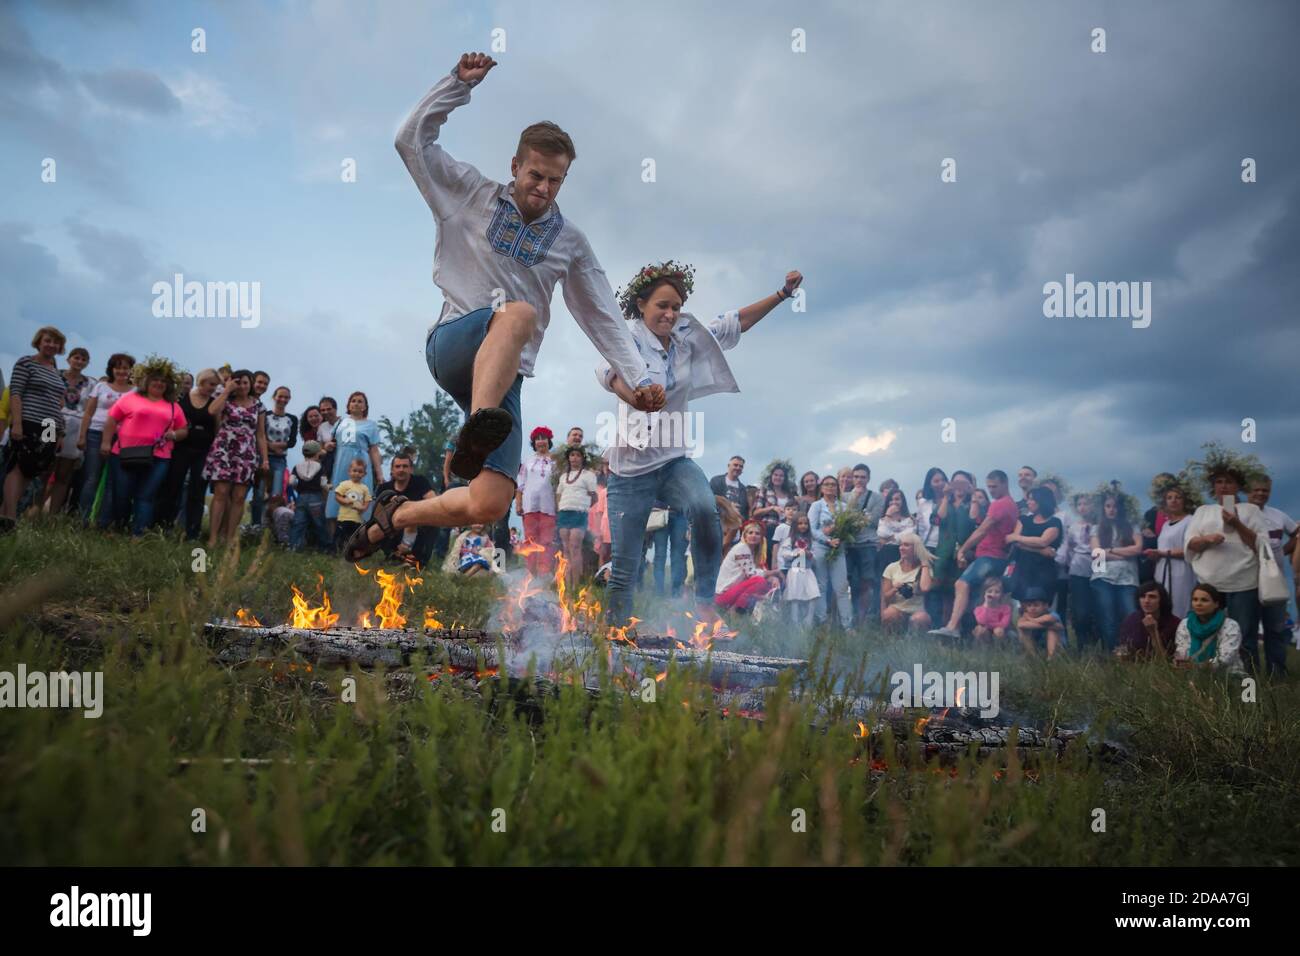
{"x":924,"y":298}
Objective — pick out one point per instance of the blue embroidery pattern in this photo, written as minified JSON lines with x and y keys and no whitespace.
{"x":508,"y":235}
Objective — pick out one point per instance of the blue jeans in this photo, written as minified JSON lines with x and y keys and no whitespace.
{"x":671,"y":536}
{"x":1113,"y":603}
{"x":91,"y":467}
{"x":833,"y":579}
{"x":682,"y":486}
{"x":1083,"y":611}
{"x":310,"y":512}
{"x":134,"y":490}
{"x":1245,"y":609}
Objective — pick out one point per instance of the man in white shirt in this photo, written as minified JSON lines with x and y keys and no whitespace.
{"x":501,"y":250}
{"x":1221,"y":542}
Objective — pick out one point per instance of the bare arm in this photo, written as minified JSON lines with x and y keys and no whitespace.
{"x":751,"y":314}
{"x":110,"y":430}
{"x":976,"y":535}
{"x":1131,"y":550}
{"x":86,"y":418}
{"x":261,"y":438}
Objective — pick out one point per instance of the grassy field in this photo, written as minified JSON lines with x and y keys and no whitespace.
{"x":606,"y":780}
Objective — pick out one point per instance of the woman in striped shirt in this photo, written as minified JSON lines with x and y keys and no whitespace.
{"x":36,"y":391}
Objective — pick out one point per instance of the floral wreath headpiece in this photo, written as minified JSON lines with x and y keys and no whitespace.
{"x":649,"y":276}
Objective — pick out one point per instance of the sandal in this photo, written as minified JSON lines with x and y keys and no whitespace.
{"x":360,"y":545}
{"x":482,"y":434}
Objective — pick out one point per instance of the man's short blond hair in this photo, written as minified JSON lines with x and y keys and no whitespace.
{"x":546,"y":138}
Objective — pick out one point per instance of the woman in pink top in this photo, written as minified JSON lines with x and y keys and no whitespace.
{"x":146,"y":417}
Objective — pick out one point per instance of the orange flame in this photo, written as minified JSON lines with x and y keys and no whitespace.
{"x":580,"y":613}
{"x":703,"y":636}
{"x":920,"y":725}
{"x":389,"y":608}
{"x":862,"y":731}
{"x":619,"y":634}
{"x":247,"y":619}
{"x":960,"y":690}
{"x":431,"y":621}
{"x":307,"y":616}
{"x":365,"y":620}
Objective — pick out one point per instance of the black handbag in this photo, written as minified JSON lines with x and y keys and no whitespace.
{"x":135,"y":456}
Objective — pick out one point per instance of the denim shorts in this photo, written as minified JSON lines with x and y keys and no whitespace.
{"x":571,"y":519}
{"x":981,"y":568}
{"x":450,"y":352}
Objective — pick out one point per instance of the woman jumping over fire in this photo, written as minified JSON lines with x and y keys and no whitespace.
{"x":649,"y":459}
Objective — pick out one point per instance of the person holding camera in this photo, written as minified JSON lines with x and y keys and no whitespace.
{"x":903,"y":586}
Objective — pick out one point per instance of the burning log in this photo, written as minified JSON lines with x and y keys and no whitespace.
{"x":367,"y":647}
{"x":470,"y":648}
{"x":727,"y":667}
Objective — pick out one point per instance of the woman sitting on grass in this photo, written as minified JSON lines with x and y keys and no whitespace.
{"x":472,"y":560}
{"x":1150,"y":631}
{"x":1208,"y":635}
{"x":993,"y":615}
{"x":903,"y":585}
{"x":1038,"y":625}
{"x":740,"y":585}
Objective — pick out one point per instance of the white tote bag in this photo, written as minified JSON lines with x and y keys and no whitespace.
{"x":1272,"y":583}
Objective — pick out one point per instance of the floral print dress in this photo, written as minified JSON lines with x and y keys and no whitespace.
{"x":233,"y":455}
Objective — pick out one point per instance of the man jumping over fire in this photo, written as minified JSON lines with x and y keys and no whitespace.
{"x":501,"y":249}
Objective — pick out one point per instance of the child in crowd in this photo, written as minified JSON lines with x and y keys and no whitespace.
{"x":740,"y":584}
{"x":993,"y":615}
{"x":310,"y":484}
{"x":1038,"y":625}
{"x":353,"y":497}
{"x":281,"y":519}
{"x":801,"y":589}
{"x":472,"y":560}
{"x":782,"y":531}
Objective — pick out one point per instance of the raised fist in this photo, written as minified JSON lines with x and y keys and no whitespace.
{"x":474,"y":66}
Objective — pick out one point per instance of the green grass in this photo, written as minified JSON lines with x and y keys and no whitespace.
{"x":610,"y":780}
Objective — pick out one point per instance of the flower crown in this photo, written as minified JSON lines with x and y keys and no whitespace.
{"x":648,"y":276}
{"x":155,"y":366}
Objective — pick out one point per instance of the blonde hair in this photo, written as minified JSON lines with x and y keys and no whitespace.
{"x":919,"y":550}
{"x":51,"y":331}
{"x":206,"y":373}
